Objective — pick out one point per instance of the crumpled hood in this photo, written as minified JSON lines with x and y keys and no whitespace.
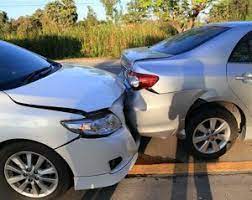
{"x":85,"y":89}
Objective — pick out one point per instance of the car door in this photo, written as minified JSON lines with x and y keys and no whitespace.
{"x":239,"y":70}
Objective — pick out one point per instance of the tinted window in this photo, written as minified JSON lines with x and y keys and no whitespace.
{"x":242,"y":53}
{"x":16,"y":62}
{"x":188,"y":40}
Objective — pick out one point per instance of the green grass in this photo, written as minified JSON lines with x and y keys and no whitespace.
{"x":105,"y":40}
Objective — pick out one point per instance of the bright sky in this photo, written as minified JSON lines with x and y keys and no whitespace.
{"x":16,"y":8}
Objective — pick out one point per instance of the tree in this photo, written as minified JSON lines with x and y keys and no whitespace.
{"x":26,"y":25}
{"x":3,"y":17}
{"x":62,"y":12}
{"x":180,"y":14}
{"x":39,"y":13}
{"x":4,"y":22}
{"x":91,"y":18}
{"x":110,"y":8}
{"x":136,"y":13}
{"x":231,"y":10}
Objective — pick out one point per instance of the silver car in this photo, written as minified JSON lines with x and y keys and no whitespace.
{"x":61,"y":126}
{"x":197,"y":84}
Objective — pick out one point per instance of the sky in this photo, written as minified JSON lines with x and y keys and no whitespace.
{"x":17,"y":8}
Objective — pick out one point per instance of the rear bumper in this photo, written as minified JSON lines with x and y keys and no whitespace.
{"x":151,"y":114}
{"x":157,"y":115}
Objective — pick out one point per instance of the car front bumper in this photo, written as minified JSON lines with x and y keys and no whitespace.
{"x":104,"y":180}
{"x":89,"y":159}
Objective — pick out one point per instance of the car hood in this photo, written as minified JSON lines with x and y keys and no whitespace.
{"x":130,"y":56}
{"x":86,"y":89}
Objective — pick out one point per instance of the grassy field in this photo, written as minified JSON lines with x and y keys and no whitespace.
{"x":104,"y":40}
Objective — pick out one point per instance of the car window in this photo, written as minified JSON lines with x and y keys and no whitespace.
{"x":188,"y":40}
{"x":16,"y":62}
{"x":242,"y":53}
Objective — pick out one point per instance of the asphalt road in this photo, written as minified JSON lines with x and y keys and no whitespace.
{"x":228,"y":187}
{"x":200,"y":187}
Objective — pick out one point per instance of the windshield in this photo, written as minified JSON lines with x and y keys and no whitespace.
{"x":188,"y":40}
{"x":16,"y":63}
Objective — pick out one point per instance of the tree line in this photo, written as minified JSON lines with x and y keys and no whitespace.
{"x":55,"y":31}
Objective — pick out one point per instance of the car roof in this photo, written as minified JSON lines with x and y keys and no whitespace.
{"x":233,"y":24}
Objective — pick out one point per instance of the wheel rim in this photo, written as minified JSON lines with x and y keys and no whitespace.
{"x":211,"y":135}
{"x":31,"y":174}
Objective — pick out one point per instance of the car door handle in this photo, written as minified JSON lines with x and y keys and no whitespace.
{"x":246,"y":77}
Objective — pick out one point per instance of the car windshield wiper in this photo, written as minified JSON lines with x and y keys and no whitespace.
{"x":37,"y":74}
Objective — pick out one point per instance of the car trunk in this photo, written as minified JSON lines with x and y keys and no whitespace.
{"x":131,"y":56}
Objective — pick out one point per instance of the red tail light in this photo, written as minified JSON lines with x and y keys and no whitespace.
{"x":141,"y":81}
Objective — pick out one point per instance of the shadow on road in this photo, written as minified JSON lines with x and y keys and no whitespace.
{"x":202,"y":184}
{"x":181,"y":190}
{"x":100,"y":194}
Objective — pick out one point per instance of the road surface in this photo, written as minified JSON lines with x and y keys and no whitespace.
{"x":228,"y":187}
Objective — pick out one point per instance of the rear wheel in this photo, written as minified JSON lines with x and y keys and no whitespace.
{"x":211,"y":131}
{"x":32,"y":171}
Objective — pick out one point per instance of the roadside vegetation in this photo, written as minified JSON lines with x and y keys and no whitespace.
{"x":56,"y":32}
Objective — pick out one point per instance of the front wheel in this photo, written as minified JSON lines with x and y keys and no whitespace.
{"x":211,"y":131}
{"x":32,"y":171}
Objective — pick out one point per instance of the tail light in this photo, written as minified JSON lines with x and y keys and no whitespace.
{"x":141,"y":81}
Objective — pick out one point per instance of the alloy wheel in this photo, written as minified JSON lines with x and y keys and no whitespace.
{"x":31,"y":174}
{"x":211,"y":135}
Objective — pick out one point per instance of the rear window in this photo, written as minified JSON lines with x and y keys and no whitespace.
{"x":188,"y":40}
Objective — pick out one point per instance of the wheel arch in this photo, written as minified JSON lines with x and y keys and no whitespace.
{"x":232,"y":107}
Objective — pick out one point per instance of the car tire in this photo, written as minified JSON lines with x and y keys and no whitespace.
{"x":49,"y":160}
{"x":199,"y":127}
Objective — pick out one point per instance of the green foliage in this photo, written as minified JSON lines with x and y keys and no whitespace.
{"x":3,"y":17}
{"x":136,"y":12}
{"x":55,"y":33}
{"x":180,"y":14}
{"x":51,"y":46}
{"x":91,"y":18}
{"x":102,"y":40}
{"x":231,"y":10}
{"x":110,"y":8}
{"x":4,"y":22}
{"x":109,"y":39}
{"x":26,"y":26}
{"x":62,"y":13}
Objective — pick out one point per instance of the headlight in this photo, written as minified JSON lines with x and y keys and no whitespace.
{"x":97,"y":126}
